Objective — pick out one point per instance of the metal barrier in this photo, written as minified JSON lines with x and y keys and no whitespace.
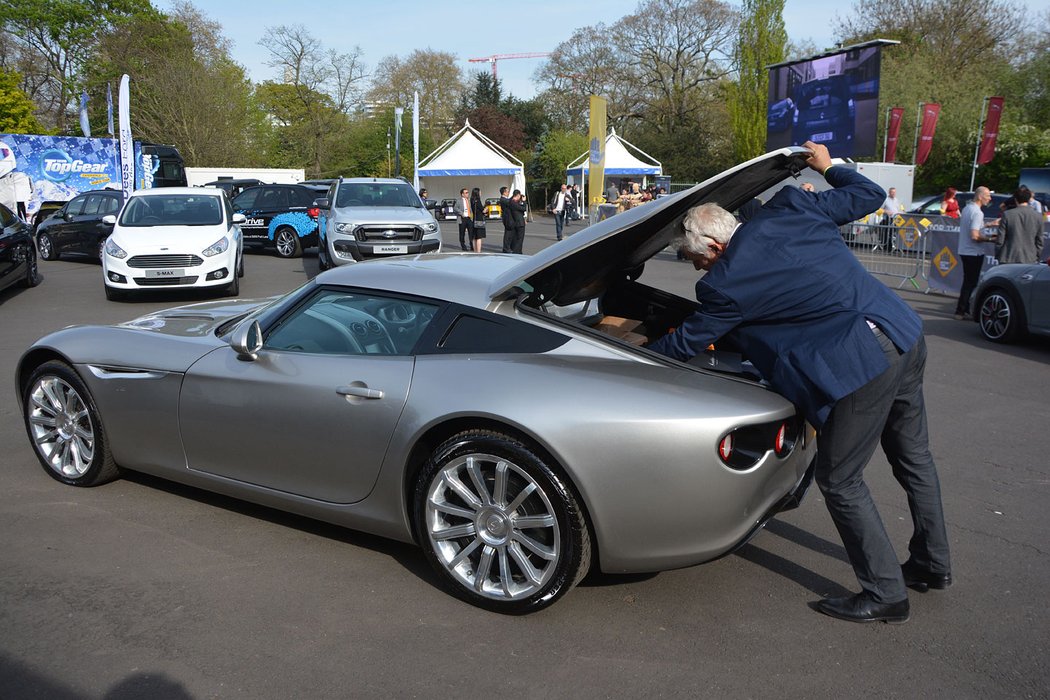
{"x":888,"y":250}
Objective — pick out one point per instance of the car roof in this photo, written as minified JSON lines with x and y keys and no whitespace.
{"x":165,"y":191}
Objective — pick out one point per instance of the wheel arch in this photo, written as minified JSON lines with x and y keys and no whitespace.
{"x":30,"y":361}
{"x":1010,"y":289}
{"x":426,"y":443}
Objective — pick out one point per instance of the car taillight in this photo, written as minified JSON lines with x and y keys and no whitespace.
{"x":313,"y":212}
{"x":744,"y":447}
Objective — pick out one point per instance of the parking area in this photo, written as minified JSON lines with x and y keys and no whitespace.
{"x":141,"y":588}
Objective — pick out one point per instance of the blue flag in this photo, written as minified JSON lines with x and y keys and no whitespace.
{"x":85,"y":126}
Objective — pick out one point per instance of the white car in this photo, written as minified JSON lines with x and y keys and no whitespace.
{"x":174,"y":237}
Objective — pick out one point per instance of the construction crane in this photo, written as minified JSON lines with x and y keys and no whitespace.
{"x":491,"y":60}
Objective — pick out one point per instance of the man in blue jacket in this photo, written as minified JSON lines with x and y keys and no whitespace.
{"x":842,"y":347}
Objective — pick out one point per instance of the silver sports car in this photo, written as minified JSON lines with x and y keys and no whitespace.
{"x":498,"y":410}
{"x":1012,"y":300}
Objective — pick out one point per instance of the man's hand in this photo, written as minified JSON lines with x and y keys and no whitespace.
{"x":820,"y":160}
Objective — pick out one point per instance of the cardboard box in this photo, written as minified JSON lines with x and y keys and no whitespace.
{"x":621,"y":328}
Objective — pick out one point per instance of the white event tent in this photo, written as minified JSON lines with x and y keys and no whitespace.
{"x":470,"y":159}
{"x":619,"y":162}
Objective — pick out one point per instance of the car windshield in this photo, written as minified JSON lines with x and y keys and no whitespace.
{"x":376,"y":194}
{"x":172,"y":210}
{"x":822,"y":94}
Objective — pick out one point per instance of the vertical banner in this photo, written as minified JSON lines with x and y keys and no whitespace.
{"x":596,"y":159}
{"x":415,"y":139}
{"x":398,"y":111}
{"x":109,"y":108}
{"x":85,"y":125}
{"x":893,"y":132}
{"x":127,"y":146}
{"x":930,"y":112}
{"x":986,"y":151}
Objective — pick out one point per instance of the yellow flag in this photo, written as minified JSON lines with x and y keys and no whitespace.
{"x":596,"y":169}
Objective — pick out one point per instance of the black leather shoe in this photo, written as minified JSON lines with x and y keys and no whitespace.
{"x":861,"y":608}
{"x":922,"y":580}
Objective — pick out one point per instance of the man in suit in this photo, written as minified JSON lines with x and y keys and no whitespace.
{"x":504,"y":215}
{"x":842,"y":347}
{"x":466,"y":220}
{"x":516,"y":220}
{"x":1020,"y":232}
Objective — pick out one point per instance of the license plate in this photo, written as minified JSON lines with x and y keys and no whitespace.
{"x":165,"y":273}
{"x":826,"y":136}
{"x":390,"y":249}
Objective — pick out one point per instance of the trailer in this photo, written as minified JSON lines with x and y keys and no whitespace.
{"x":196,"y":177}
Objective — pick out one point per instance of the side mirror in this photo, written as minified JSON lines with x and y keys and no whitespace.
{"x":322,"y":203}
{"x":109,"y":219}
{"x":247,"y":340}
{"x":432,"y":204}
{"x":67,"y":216}
{"x":239,"y":218}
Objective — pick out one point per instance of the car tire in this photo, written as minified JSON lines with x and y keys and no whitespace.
{"x":286,"y":243}
{"x":515,"y":552}
{"x":46,"y":246}
{"x":1000,"y":316}
{"x":322,"y":257}
{"x":240,"y":266}
{"x":234,"y":287}
{"x":113,"y":294}
{"x":32,"y":277}
{"x":65,"y":427}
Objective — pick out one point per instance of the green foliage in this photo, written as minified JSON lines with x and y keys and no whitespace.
{"x":761,"y":42}
{"x":554,"y":152}
{"x":16,"y":109}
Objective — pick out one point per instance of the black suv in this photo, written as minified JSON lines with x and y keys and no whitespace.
{"x":77,"y":227}
{"x":17,"y":255}
{"x":283,"y":216}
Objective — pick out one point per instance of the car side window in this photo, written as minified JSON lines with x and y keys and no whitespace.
{"x":91,"y":204}
{"x":76,"y":206}
{"x":6,"y":217}
{"x":346,"y":322}
{"x":303,"y":198}
{"x":271,"y":198}
{"x":109,"y":205}
{"x":246,"y":199}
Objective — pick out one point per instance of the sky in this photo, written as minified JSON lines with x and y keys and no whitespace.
{"x":401,"y":26}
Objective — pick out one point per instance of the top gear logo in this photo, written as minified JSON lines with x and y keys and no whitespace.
{"x":57,"y":166}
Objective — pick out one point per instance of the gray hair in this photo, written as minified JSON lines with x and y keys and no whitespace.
{"x":704,"y":224}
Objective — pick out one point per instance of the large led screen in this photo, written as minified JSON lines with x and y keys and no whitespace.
{"x":833,"y":100}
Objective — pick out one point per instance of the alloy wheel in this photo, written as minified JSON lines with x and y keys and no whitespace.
{"x":61,"y":427}
{"x":492,"y":527}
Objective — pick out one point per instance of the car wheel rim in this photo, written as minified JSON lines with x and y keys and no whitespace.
{"x":61,"y":427}
{"x":492,"y":527}
{"x":45,"y":247}
{"x":995,"y":316}
{"x":285,"y":244}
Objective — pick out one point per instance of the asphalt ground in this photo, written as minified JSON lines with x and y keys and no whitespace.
{"x":145,"y":589}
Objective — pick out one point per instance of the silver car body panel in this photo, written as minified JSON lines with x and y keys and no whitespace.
{"x":1031,"y":282}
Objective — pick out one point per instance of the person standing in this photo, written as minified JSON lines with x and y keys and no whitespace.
{"x":891,"y":207}
{"x":557,"y":207}
{"x":970,"y":250}
{"x":477,"y":224}
{"x":949,"y":205}
{"x":516,"y":218}
{"x":1020,"y":232}
{"x":466,"y":220}
{"x":612,"y":193}
{"x":504,"y":213}
{"x":841,"y":346}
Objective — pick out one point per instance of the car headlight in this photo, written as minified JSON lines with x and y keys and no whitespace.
{"x":115,"y":251}
{"x":344,"y":228}
{"x":219,"y":246}
{"x":431,"y":227}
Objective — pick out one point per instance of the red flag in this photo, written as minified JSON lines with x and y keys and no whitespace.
{"x":892,"y":133}
{"x":991,"y":131}
{"x":930,"y":112}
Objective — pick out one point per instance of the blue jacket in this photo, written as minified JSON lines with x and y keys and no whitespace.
{"x":796,"y":301}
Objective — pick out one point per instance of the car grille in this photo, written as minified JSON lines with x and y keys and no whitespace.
{"x":381,"y":233}
{"x":144,"y":261}
{"x":165,"y":281}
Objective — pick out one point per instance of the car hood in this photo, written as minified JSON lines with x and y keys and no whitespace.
{"x":585,"y":264}
{"x":195,"y":319}
{"x":383,"y":215}
{"x":174,"y":240}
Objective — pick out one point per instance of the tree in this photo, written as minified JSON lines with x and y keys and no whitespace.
{"x":557,"y":150}
{"x":761,"y":41}
{"x":16,"y":109}
{"x":54,"y":40}
{"x":437,"y":79}
{"x":325,"y":85}
{"x":184,"y":87}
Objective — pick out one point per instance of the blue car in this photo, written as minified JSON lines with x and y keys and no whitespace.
{"x":280,"y":216}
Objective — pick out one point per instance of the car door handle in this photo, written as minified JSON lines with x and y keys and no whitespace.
{"x":361,"y":392}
